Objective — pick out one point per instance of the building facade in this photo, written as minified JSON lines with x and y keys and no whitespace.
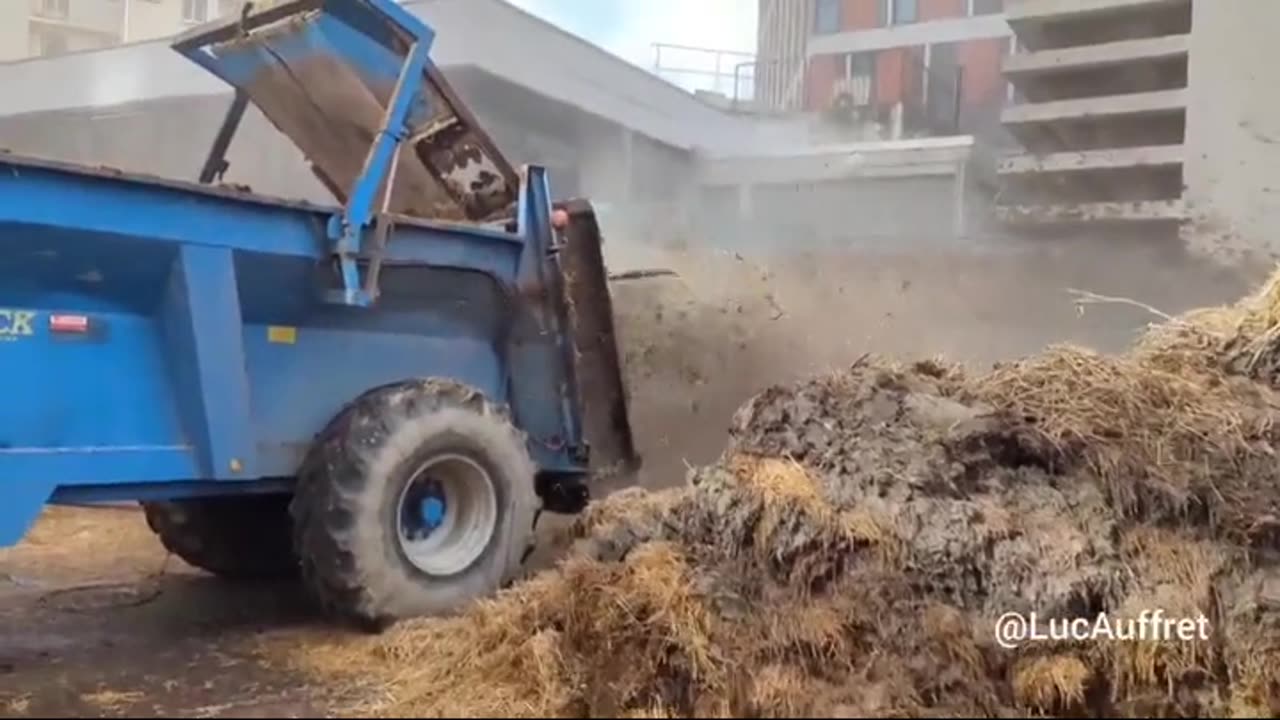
{"x":920,"y":67}
{"x":42,"y":28}
{"x":1102,"y":115}
{"x":783,"y":30}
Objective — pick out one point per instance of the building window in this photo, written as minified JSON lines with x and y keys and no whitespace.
{"x":986,"y":7}
{"x":55,"y":8}
{"x":826,"y":19}
{"x":904,"y":12}
{"x":860,"y":77}
{"x":195,"y":11}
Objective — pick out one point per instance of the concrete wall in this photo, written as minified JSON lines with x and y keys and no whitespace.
{"x":169,"y":139}
{"x":895,"y":194}
{"x":13,"y":31}
{"x":89,"y":25}
{"x":867,"y":211}
{"x":54,"y":39}
{"x":886,"y":213}
{"x":927,"y":156}
{"x":149,"y":20}
{"x":587,"y":156}
{"x":1232,"y":170}
{"x":512,"y":44}
{"x":98,"y":15}
{"x":152,"y":19}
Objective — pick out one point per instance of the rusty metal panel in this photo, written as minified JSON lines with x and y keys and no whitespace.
{"x":599,"y":367}
{"x":325,"y":81}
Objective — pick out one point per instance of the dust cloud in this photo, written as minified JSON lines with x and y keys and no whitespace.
{"x":733,"y":322}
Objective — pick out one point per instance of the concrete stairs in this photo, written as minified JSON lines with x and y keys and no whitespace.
{"x":1101,"y":89}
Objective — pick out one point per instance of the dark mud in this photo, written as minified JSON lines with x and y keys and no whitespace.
{"x":96,"y":622}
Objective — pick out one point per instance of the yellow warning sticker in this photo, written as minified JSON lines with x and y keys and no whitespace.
{"x":282,"y":335}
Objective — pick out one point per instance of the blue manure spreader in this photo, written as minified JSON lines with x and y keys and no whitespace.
{"x":380,"y":396}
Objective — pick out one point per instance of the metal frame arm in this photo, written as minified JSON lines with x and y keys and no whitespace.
{"x":346,"y":231}
{"x":215,"y":165}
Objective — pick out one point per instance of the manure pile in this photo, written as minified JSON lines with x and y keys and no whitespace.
{"x":852,"y":550}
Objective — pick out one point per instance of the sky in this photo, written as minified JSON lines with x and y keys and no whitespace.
{"x":629,"y":28}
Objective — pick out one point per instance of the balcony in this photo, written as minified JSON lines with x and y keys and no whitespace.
{"x":1102,"y":117}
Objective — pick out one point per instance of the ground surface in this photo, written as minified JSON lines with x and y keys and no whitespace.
{"x":95,"y":621}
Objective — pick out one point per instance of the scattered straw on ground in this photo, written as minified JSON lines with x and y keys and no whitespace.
{"x":851,"y":552}
{"x":112,"y":700}
{"x":15,"y":705}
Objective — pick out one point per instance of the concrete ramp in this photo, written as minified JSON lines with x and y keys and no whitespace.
{"x":491,"y":35}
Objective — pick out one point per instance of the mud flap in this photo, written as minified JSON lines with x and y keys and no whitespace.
{"x":599,"y":371}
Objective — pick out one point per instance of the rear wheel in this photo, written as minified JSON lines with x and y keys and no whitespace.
{"x":417,"y":499}
{"x":237,"y":538}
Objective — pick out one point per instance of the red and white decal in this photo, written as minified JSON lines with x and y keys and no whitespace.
{"x":69,"y":323}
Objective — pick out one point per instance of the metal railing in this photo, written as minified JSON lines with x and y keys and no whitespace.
{"x":931,"y":89}
{"x":705,"y":69}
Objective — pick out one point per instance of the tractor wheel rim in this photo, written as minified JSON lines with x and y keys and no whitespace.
{"x":447,"y":515}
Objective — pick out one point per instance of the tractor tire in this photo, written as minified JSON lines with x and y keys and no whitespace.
{"x":416,"y":499}
{"x":244,"y":538}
